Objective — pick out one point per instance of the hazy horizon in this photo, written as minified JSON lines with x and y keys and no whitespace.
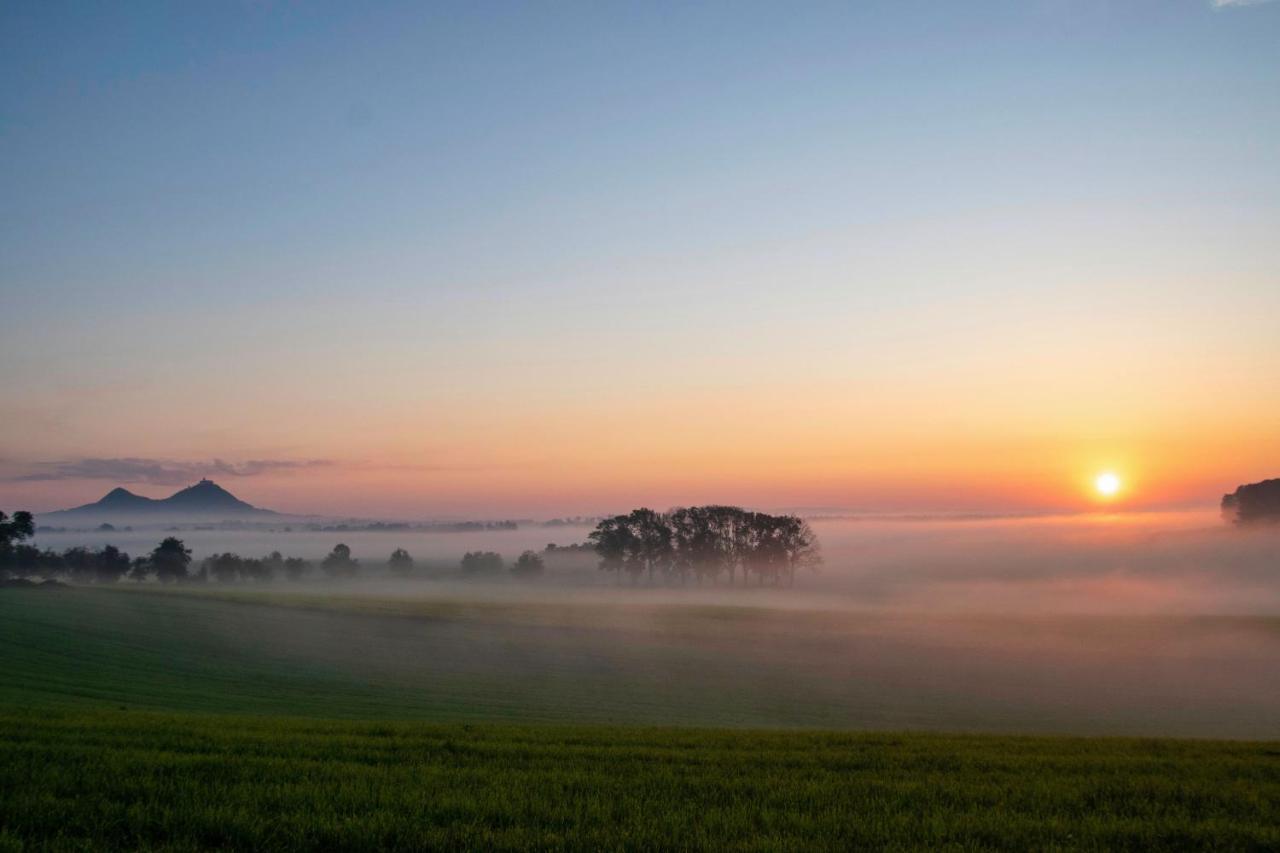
{"x":1209,"y":505}
{"x":1151,"y":624}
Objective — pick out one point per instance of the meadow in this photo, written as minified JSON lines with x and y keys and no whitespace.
{"x":451,"y":654}
{"x":287,"y":718}
{"x":129,"y":780}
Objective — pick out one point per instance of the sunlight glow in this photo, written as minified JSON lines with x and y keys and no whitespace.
{"x":1107,"y":484}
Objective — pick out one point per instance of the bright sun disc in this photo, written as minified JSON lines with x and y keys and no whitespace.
{"x":1107,"y":484}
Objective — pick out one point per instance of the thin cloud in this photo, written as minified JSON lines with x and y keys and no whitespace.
{"x":160,"y":472}
{"x":1223,"y":4}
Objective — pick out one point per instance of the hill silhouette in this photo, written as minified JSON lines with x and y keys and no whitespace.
{"x":205,"y":499}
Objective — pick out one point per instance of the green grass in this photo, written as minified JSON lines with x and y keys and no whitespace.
{"x":136,"y":720}
{"x":127,"y":780}
{"x":300,"y":653}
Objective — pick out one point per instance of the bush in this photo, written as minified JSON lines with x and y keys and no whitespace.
{"x":528,"y":565}
{"x":481,"y":562}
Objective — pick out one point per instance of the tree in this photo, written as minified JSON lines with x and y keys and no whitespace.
{"x":481,"y":562}
{"x":272,"y":565}
{"x":801,"y":546}
{"x":12,"y":531}
{"x":295,"y":568}
{"x":706,"y":541}
{"x":1253,"y":502}
{"x":80,"y":564}
{"x":733,"y":532}
{"x":224,"y":568}
{"x":256,"y":570}
{"x":637,"y":543}
{"x":48,"y":562}
{"x":338,"y":564}
{"x":652,"y":541}
{"x":139,"y":569}
{"x":28,"y":559}
{"x":400,"y":562}
{"x":170,"y":559}
{"x":20,"y":526}
{"x":614,"y":542}
{"x":698,"y":546}
{"x":528,"y":565}
{"x":112,"y":564}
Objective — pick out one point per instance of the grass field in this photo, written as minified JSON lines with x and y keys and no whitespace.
{"x":127,"y":780}
{"x":348,"y":656}
{"x":141,"y":720}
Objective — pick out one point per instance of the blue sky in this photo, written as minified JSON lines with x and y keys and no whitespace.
{"x":417,"y":209}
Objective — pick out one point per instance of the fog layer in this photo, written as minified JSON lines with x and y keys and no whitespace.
{"x":1148,"y":563}
{"x":1142,"y":624}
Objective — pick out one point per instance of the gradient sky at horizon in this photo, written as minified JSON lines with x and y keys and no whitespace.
{"x":491,"y":259}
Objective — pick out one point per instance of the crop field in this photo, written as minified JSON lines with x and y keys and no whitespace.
{"x":131,"y":780}
{"x":136,"y":719}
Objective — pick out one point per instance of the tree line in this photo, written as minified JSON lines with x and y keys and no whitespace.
{"x":528,"y":564}
{"x":168,"y":561}
{"x":171,"y":561}
{"x":705,"y":544}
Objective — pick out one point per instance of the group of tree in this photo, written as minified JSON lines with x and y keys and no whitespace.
{"x":479,"y":563}
{"x":482,"y":563}
{"x":528,"y":565}
{"x":232,"y":568}
{"x":400,"y":563}
{"x":1253,"y":503}
{"x":168,"y":561}
{"x":700,"y":543}
{"x":706,"y":543}
{"x":570,"y":550}
{"x":12,"y":533}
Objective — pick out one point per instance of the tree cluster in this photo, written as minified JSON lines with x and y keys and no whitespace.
{"x":702,"y":543}
{"x":12,"y":533}
{"x":706,"y":543}
{"x":168,"y":561}
{"x":1253,"y":502}
{"x":232,"y":568}
{"x":482,"y":562}
{"x":528,"y":565}
{"x":339,"y":564}
{"x":400,"y":562}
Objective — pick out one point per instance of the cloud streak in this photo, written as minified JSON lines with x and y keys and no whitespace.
{"x":160,"y":472}
{"x":1223,"y":4}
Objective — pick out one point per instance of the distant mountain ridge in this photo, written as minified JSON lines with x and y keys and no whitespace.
{"x":205,"y":499}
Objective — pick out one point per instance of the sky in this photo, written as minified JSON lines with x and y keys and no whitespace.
{"x":477,"y":259}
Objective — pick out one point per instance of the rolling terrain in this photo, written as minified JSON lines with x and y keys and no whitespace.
{"x":276,"y":719}
{"x":326,"y":652}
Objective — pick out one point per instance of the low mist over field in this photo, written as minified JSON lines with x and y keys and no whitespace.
{"x":1134,"y":624}
{"x":1185,"y":562}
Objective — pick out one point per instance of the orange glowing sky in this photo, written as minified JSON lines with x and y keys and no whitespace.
{"x":527,"y":262}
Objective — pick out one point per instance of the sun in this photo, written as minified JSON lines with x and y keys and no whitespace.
{"x":1107,"y":484}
